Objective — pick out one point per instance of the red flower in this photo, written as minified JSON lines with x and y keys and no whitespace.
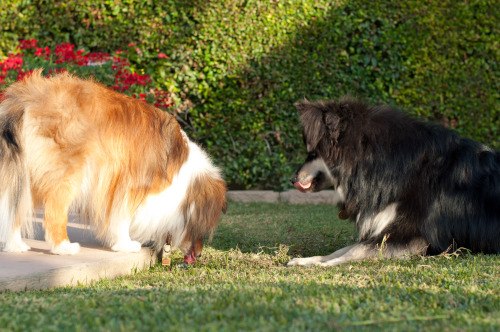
{"x":162,"y":99}
{"x":13,"y":62}
{"x":99,"y":58}
{"x":27,"y":44}
{"x":57,"y":70}
{"x":22,"y":74}
{"x":66,"y":53}
{"x":45,"y":52}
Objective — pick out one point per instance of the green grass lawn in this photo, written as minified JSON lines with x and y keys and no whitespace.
{"x":241,"y":283}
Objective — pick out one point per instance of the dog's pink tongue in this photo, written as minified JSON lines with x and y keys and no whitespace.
{"x":301,"y":187}
{"x":190,"y":258}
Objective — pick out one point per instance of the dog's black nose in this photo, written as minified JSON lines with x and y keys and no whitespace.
{"x":294,"y":179}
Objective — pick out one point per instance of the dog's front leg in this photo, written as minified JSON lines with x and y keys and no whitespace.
{"x":315,"y":260}
{"x":119,"y":233}
{"x":365,"y":250}
{"x":357,"y":252}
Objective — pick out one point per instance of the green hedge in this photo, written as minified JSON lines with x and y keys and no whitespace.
{"x":237,"y":67}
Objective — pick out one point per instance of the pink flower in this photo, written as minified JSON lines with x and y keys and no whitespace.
{"x":162,"y":55}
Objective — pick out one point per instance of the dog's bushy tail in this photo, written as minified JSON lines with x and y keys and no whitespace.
{"x":15,"y":195}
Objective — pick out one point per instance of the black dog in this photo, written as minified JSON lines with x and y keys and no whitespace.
{"x":410,"y":186}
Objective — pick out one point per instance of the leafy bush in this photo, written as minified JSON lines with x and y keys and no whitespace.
{"x":236,"y":67}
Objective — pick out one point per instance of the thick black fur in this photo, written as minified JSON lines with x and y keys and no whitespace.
{"x":447,"y":188}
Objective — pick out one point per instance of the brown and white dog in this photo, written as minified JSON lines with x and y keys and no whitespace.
{"x":68,"y":143}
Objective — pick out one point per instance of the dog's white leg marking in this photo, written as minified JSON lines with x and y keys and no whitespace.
{"x":66,"y":248}
{"x":361,"y":251}
{"x":357,"y":252}
{"x":384,"y":218}
{"x":121,"y":237}
{"x":126,"y":246}
{"x":15,"y":242}
{"x":308,"y":261}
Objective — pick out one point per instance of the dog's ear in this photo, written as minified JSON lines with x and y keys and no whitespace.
{"x":319,"y":122}
{"x":313,"y":126}
{"x":333,"y":127}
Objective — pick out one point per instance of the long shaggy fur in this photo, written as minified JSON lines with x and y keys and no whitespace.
{"x":70,"y":143}
{"x":411,"y":185}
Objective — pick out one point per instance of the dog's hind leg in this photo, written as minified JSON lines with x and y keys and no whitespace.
{"x":15,"y":242}
{"x":56,"y":202}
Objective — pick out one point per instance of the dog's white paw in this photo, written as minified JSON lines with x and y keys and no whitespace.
{"x":16,"y":245}
{"x":307,"y":261}
{"x":66,"y":248}
{"x":127,"y":246}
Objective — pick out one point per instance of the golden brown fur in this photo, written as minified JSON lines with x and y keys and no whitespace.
{"x":103,"y":153}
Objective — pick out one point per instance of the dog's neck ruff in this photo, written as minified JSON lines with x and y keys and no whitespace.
{"x":161,"y":213}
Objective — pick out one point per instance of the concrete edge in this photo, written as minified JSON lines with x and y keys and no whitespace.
{"x":291,"y":196}
{"x":81,"y":274}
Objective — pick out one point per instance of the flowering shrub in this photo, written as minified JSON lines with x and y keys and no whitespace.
{"x":111,"y":70}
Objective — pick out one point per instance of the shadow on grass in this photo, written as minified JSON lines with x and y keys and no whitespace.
{"x":306,"y":229}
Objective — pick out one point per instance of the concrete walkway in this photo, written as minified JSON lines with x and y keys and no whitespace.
{"x":39,"y":269}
